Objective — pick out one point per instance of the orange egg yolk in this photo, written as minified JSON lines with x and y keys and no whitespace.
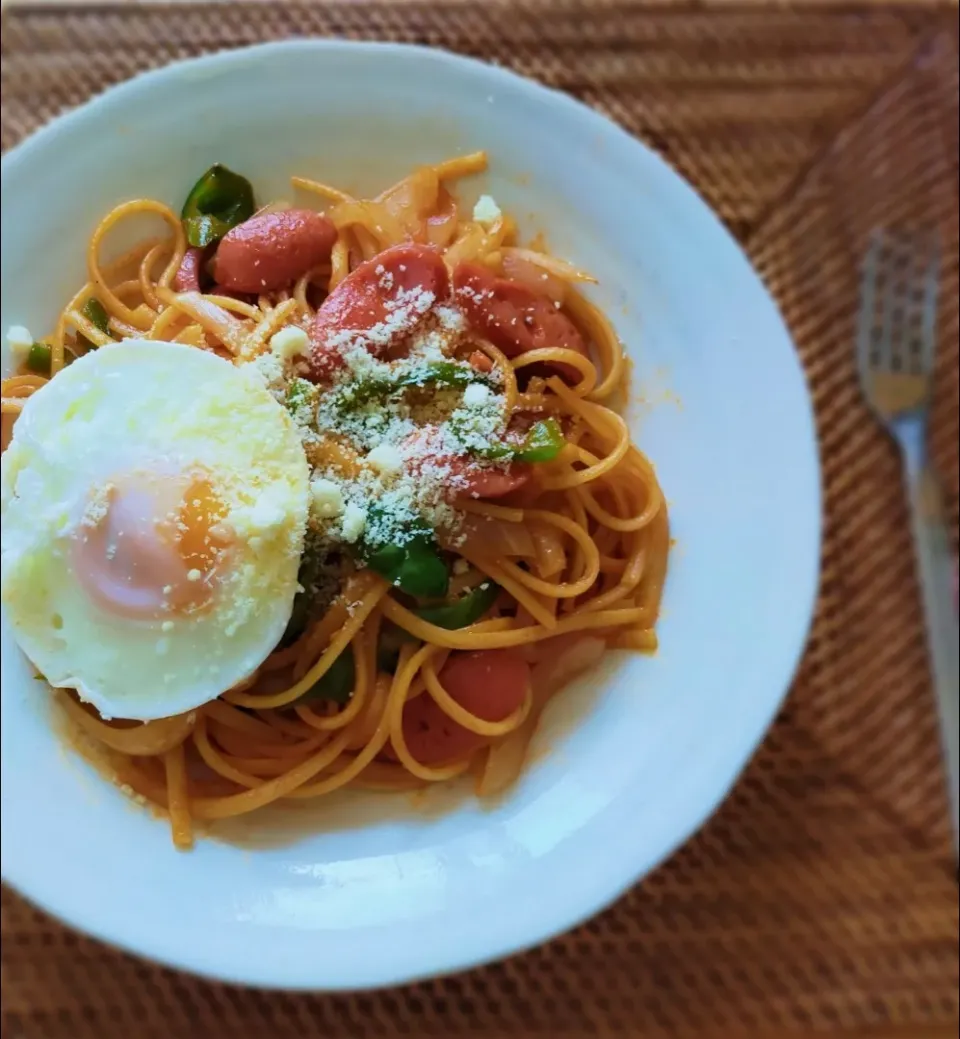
{"x":152,"y":544}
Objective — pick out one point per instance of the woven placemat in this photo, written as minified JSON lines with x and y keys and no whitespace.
{"x":822,"y":896}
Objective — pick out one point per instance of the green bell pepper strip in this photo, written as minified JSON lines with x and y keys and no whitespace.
{"x":94,"y":312}
{"x":218,"y":202}
{"x":39,"y":359}
{"x":442,"y":373}
{"x":414,"y":567}
{"x":464,"y":611}
{"x":388,"y":648}
{"x":433,"y":373}
{"x":303,"y":602}
{"x":299,"y":392}
{"x":543,"y":442}
{"x":335,"y":685}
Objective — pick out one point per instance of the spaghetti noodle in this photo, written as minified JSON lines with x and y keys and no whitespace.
{"x":382,"y":683}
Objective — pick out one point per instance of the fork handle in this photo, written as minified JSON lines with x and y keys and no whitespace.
{"x":936,"y":570}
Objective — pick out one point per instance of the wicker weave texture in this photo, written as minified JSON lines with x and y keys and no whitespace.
{"x":822,"y":895}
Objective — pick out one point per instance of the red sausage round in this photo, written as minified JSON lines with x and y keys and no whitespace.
{"x":469,"y":479}
{"x":488,"y":483}
{"x":379,"y":303}
{"x":513,"y":317}
{"x":490,"y":684}
{"x":187,"y":278}
{"x":270,"y":251}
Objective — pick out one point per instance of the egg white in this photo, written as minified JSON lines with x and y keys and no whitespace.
{"x":143,"y":404}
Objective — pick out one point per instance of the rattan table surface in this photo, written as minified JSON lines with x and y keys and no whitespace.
{"x":822,"y":897}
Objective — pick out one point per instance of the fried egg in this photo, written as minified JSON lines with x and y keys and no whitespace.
{"x":154,"y":502}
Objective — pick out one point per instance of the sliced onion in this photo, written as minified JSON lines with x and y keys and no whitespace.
{"x":212,"y":317}
{"x":412,"y":199}
{"x":492,"y":538}
{"x":559,"y":268}
{"x":475,"y":243}
{"x":442,"y":225}
{"x":523,"y":271}
{"x":561,"y":659}
{"x":374,"y":218}
{"x":551,"y":558}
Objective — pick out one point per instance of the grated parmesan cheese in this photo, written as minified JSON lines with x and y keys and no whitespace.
{"x":20,"y":340}
{"x":386,"y":459}
{"x":486,"y":211}
{"x":289,"y":342}
{"x":98,"y":506}
{"x":269,"y":368}
{"x":476,"y":395}
{"x":326,"y":498}
{"x":408,"y":442}
{"x":264,"y":515}
{"x":403,"y":313}
{"x":353,"y":523}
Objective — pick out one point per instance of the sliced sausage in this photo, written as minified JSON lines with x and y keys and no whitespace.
{"x":187,"y":278}
{"x":271,"y":251}
{"x":468,"y":478}
{"x":378,"y":305}
{"x":487,"y":483}
{"x":442,"y":225}
{"x":490,"y":684}
{"x":514,"y":317}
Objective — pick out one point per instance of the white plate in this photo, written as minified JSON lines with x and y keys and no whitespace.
{"x":632,"y":760}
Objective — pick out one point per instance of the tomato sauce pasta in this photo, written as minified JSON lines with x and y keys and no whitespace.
{"x":481,"y":526}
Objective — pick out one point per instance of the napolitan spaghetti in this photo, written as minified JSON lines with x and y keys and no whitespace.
{"x":480,"y":525}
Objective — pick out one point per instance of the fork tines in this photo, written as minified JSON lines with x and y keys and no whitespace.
{"x":899,"y":302}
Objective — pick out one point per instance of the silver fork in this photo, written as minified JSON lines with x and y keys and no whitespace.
{"x":895,"y":353}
